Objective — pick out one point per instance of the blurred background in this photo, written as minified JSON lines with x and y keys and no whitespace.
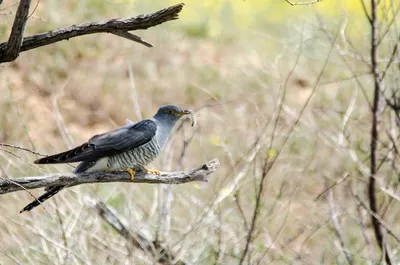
{"x":282,"y":95}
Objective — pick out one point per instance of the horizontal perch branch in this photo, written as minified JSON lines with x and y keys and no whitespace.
{"x":119,"y":27}
{"x":71,"y":179}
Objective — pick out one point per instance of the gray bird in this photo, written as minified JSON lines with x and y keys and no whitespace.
{"x":129,"y":148}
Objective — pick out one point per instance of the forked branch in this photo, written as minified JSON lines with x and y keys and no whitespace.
{"x":71,"y":179}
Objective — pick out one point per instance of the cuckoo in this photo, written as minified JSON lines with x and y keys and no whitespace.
{"x":128,"y":148}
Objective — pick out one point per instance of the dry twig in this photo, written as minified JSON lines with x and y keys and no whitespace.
{"x":21,"y":148}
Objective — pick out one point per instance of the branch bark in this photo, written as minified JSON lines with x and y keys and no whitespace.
{"x":119,"y":27}
{"x":71,"y":179}
{"x":11,"y":51}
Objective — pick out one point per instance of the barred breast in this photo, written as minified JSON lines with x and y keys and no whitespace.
{"x":135,"y":158}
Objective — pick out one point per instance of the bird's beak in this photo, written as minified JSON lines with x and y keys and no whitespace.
{"x":184,"y":112}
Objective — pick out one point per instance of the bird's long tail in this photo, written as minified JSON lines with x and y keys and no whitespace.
{"x":50,"y":193}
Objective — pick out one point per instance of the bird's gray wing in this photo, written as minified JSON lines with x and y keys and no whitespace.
{"x":125,"y":138}
{"x":107,"y":144}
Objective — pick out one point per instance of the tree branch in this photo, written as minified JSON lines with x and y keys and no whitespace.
{"x":137,"y":239}
{"x":12,"y":48}
{"x":118,"y":27}
{"x":71,"y":179}
{"x":366,"y":12}
{"x":376,"y":119}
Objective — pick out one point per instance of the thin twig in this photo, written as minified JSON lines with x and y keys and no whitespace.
{"x":346,"y":175}
{"x":303,"y":3}
{"x":391,"y":59}
{"x":71,"y":179}
{"x":378,"y":219}
{"x":366,"y":12}
{"x":267,"y":164}
{"x":12,"y":182}
{"x":342,"y":55}
{"x":390,"y":24}
{"x":23,"y":159}
{"x":21,"y":148}
{"x":34,"y":9}
{"x":297,"y":120}
{"x":240,"y":208}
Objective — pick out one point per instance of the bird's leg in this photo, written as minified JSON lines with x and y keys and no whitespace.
{"x":131,"y":172}
{"x":152,"y":171}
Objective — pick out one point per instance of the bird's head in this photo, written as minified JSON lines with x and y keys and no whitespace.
{"x":170,"y":113}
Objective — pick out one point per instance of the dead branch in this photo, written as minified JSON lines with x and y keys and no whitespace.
{"x":71,"y":179}
{"x":10,"y":50}
{"x":137,"y":239}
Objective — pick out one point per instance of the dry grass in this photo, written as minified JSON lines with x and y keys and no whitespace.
{"x":58,"y":96}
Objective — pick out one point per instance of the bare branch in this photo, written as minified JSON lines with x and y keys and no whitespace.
{"x":303,"y":3}
{"x":376,"y":119}
{"x":114,"y":26}
{"x":345,"y":176}
{"x":21,"y":148}
{"x":391,"y":59}
{"x":12,"y":48}
{"x":71,"y":179}
{"x":366,"y":11}
{"x":137,"y":239}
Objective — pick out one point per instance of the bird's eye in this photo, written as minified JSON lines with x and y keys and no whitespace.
{"x":170,"y":112}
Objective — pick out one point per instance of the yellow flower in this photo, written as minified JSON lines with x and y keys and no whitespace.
{"x":215,"y":140}
{"x":272,"y":153}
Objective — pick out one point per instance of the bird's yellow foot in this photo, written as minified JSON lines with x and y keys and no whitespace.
{"x":152,"y":171}
{"x":131,"y":172}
